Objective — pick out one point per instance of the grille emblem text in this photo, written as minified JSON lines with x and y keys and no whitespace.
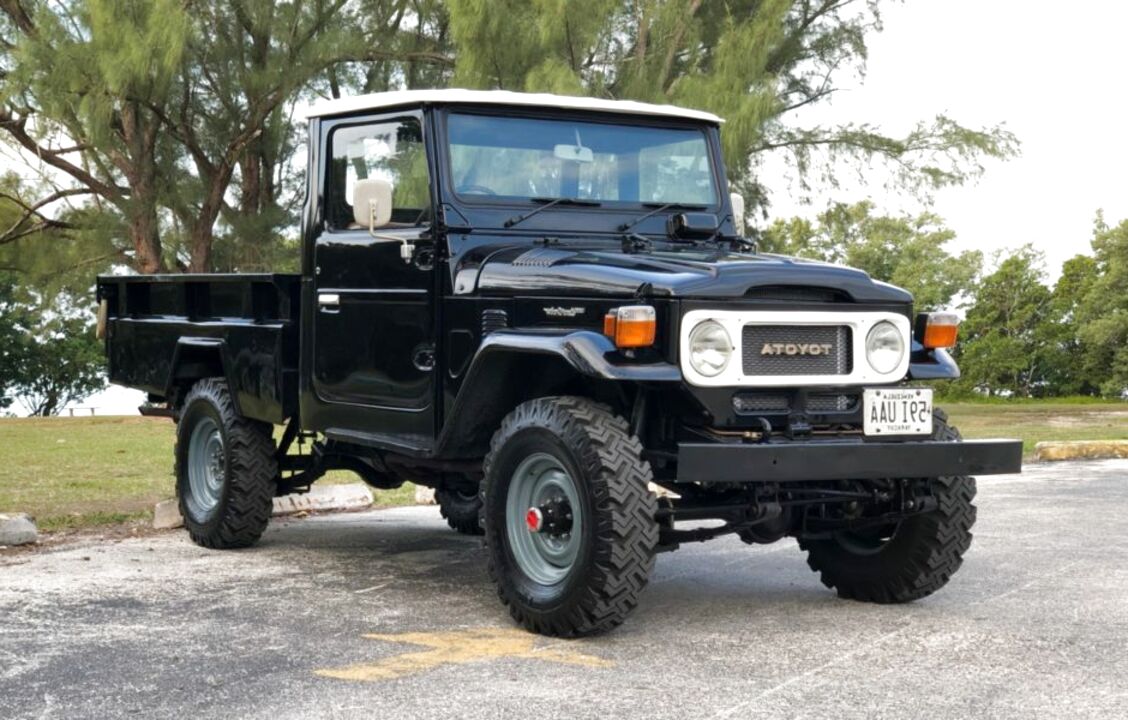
{"x":796,"y":349}
{"x":563,"y":311}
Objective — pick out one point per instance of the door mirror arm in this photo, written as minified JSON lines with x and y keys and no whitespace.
{"x":407,"y":247}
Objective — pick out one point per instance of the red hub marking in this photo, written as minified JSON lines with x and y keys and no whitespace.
{"x":534,"y":519}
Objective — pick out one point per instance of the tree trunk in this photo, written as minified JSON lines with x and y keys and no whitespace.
{"x":203,"y":225}
{"x":145,"y":234}
{"x":139,"y":133}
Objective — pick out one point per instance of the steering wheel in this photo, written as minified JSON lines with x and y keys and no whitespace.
{"x":475,"y":190}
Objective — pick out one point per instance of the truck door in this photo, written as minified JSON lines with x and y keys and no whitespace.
{"x":373,"y":316}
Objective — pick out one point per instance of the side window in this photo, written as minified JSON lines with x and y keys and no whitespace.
{"x":392,"y":151}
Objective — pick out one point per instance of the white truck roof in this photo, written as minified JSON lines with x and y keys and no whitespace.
{"x":379,"y":101}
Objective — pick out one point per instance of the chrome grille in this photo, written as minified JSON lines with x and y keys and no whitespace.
{"x":777,"y":350}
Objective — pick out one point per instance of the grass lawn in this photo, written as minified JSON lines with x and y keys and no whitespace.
{"x":1038,"y":421}
{"x":81,"y":472}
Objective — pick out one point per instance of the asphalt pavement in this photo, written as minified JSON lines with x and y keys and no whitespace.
{"x":390,"y":614}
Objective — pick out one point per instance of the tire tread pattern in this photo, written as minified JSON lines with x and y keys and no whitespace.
{"x":252,"y":474}
{"x":938,"y":541}
{"x":461,"y":514}
{"x":626,"y":532}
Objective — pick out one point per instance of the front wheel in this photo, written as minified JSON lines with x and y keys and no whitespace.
{"x":569,"y":518}
{"x":908,"y":560}
{"x":225,"y":469}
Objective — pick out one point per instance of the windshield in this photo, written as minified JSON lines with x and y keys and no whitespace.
{"x":530,"y":158}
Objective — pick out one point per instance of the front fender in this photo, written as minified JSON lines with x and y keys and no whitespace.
{"x":512,"y":366}
{"x":585,"y":351}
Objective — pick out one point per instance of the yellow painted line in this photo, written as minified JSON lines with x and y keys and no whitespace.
{"x":460,"y":647}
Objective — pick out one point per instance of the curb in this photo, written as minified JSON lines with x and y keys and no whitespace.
{"x":1082,"y":450}
{"x":320,"y":498}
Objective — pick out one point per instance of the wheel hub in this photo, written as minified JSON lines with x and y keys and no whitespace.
{"x":543,"y":524}
{"x":207,"y":468}
{"x":553,"y":516}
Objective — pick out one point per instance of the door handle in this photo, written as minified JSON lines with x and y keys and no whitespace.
{"x":329,"y":300}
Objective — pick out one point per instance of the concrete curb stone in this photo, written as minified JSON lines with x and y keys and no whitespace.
{"x":1082,"y":450}
{"x":320,"y":498}
{"x":17,"y":529}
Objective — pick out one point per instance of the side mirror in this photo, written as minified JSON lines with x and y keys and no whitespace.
{"x":737,"y":201}
{"x":372,"y":203}
{"x":372,"y":208}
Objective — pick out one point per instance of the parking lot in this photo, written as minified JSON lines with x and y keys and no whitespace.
{"x":388,"y":613}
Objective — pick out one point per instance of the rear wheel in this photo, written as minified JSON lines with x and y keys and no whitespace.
{"x":225,"y":469}
{"x":461,"y":509}
{"x":908,"y":560}
{"x":569,"y":518}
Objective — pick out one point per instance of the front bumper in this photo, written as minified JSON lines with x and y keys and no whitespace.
{"x":845,"y":460}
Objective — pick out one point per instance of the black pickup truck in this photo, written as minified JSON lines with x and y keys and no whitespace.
{"x":544,"y":308}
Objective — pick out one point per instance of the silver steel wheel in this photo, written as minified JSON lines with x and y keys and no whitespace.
{"x":207,"y":467}
{"x":545,"y":557}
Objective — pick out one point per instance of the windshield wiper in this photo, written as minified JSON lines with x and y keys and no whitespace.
{"x":657,"y":209}
{"x":549,"y":202}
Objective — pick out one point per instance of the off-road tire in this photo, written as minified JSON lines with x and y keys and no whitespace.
{"x":246,"y":501}
{"x":920,"y":557}
{"x":461,"y":511}
{"x":617,"y":550}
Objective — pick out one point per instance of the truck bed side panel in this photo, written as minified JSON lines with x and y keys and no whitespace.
{"x":158,"y":326}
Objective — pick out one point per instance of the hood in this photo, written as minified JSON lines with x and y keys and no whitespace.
{"x":690,"y":274}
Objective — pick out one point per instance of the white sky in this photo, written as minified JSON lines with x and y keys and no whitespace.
{"x":1054,"y":73}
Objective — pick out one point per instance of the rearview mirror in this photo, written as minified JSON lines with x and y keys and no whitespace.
{"x":574,"y":153}
{"x":372,"y":203}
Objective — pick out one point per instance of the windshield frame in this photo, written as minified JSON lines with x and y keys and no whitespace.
{"x":618,"y":209}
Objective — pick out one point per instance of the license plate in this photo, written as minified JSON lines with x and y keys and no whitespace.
{"x":903,"y":411}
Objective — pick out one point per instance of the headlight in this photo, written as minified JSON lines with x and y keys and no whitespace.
{"x":710,"y":348}
{"x":885,"y":347}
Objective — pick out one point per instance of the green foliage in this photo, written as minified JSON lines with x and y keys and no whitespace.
{"x":1102,"y":311}
{"x":62,"y":364}
{"x":754,"y":62}
{"x":11,"y":341}
{"x":905,"y":251}
{"x":1003,"y":343}
{"x":60,"y":254}
{"x":177,"y":116}
{"x":48,"y":353}
{"x":86,"y":85}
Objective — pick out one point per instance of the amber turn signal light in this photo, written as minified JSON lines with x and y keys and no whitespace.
{"x":633,"y":326}
{"x":940,"y":330}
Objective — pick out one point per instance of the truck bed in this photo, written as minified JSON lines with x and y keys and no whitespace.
{"x":164,"y":331}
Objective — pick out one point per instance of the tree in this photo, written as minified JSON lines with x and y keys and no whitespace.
{"x":48,"y":354}
{"x":11,"y":341}
{"x":1102,"y":314}
{"x":1003,"y":343}
{"x":906,"y":251}
{"x":155,"y":109}
{"x":1065,"y":351}
{"x":83,"y":85}
{"x":754,"y":62}
{"x":64,"y":364}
